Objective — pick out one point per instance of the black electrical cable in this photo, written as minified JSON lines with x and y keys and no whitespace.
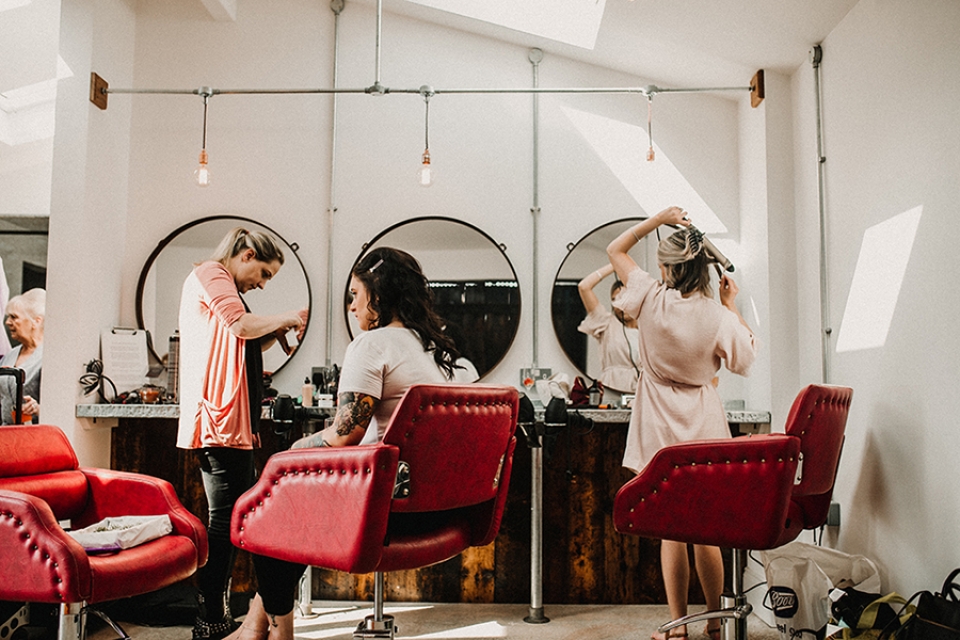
{"x":93,"y":380}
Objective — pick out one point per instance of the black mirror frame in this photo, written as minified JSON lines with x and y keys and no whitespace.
{"x":553,"y":321}
{"x":499,"y":245}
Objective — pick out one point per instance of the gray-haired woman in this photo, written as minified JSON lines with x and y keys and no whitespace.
{"x":24,"y":321}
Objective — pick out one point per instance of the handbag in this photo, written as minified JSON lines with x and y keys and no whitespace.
{"x":938,"y":614}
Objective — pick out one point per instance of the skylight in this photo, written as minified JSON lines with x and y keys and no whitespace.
{"x":575,"y":22}
{"x":654,"y":185}
{"x":884,"y":254}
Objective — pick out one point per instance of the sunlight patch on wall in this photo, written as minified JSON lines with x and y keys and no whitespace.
{"x":28,"y":114}
{"x":884,"y":254}
{"x":654,"y":185}
{"x":575,"y":22}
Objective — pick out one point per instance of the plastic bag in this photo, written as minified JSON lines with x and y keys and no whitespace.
{"x":800,"y":577}
{"x":114,"y":534}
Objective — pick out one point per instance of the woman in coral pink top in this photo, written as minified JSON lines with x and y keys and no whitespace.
{"x":221,"y":388}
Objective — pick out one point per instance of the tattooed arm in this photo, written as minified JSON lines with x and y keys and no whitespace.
{"x":350,"y":424}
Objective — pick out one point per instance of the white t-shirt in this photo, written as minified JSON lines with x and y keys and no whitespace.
{"x":384,"y":363}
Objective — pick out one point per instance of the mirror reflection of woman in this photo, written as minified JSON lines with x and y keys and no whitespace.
{"x":221,"y":390}
{"x":616,"y":333}
{"x":24,"y":321}
{"x":684,"y":337}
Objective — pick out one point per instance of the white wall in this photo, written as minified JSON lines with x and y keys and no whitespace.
{"x":270,"y":155}
{"x":891,"y":136}
{"x":88,"y":213}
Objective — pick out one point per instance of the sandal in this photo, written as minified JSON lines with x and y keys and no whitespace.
{"x":671,"y":633}
{"x":713,"y":634}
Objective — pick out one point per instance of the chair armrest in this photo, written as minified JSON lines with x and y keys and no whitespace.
{"x":121,"y":493}
{"x":41,"y":563}
{"x":326,"y":507}
{"x":731,"y":493}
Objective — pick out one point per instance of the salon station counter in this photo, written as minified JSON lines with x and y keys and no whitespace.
{"x":584,"y":560}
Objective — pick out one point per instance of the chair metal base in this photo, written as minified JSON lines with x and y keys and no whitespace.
{"x":735,"y":608}
{"x":371,"y":627}
{"x":18,"y":617}
{"x":733,"y":618}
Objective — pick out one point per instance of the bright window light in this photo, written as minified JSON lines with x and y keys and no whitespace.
{"x":654,"y":185}
{"x":7,"y":5}
{"x":573,"y":22}
{"x":884,"y":254}
{"x":27,"y":114}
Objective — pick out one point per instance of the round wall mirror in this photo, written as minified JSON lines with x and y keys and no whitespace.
{"x":474,"y":285}
{"x":162,"y":277}
{"x":583,"y":258}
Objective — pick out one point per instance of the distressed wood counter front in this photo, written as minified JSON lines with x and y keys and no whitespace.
{"x":584,"y":560}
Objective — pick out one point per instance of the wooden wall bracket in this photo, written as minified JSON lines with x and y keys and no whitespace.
{"x":756,"y":89}
{"x":98,"y":90}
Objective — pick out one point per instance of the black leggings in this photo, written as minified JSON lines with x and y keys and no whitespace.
{"x":227,"y":473}
{"x":278,"y":581}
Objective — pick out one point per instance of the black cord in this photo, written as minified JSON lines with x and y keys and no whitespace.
{"x":93,"y":380}
{"x":629,"y":348}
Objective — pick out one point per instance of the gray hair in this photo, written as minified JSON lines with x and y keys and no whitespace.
{"x":33,"y":302}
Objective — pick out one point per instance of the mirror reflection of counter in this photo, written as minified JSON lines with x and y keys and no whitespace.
{"x":588,"y":562}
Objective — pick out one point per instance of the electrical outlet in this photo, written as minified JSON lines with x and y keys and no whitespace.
{"x":833,"y":515}
{"x":529,"y":376}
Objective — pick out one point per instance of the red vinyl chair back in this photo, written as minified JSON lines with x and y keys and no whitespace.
{"x":453,"y":440}
{"x":818,"y":418}
{"x":348,"y":508}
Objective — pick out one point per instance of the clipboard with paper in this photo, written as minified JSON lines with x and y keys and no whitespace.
{"x":124,"y":354}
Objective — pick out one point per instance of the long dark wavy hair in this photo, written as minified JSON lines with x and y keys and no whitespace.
{"x":398,"y":290}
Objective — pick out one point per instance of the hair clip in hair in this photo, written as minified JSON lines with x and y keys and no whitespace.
{"x":374,"y":267}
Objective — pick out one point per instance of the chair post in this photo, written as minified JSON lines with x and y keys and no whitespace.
{"x":735,"y":626}
{"x":71,"y":626}
{"x":376,"y":625}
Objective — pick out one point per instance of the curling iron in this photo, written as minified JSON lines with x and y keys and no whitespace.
{"x":711,"y":250}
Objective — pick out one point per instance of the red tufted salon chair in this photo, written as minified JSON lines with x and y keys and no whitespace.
{"x":41,"y":485}
{"x":753,"y":492}
{"x":436,"y":485}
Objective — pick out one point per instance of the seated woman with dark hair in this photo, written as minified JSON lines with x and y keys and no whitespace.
{"x":402,"y":344}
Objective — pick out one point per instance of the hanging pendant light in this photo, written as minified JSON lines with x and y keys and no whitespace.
{"x":425,"y":174}
{"x":202,"y":173}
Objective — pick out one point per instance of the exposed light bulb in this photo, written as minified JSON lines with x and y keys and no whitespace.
{"x":650,"y":154}
{"x":426,"y":172}
{"x":202,"y":174}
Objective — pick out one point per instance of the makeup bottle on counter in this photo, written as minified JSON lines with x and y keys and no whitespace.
{"x":307,"y":393}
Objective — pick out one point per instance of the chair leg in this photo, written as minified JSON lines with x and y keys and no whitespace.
{"x":87,"y":610}
{"x":376,"y":625}
{"x":735,"y":608}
